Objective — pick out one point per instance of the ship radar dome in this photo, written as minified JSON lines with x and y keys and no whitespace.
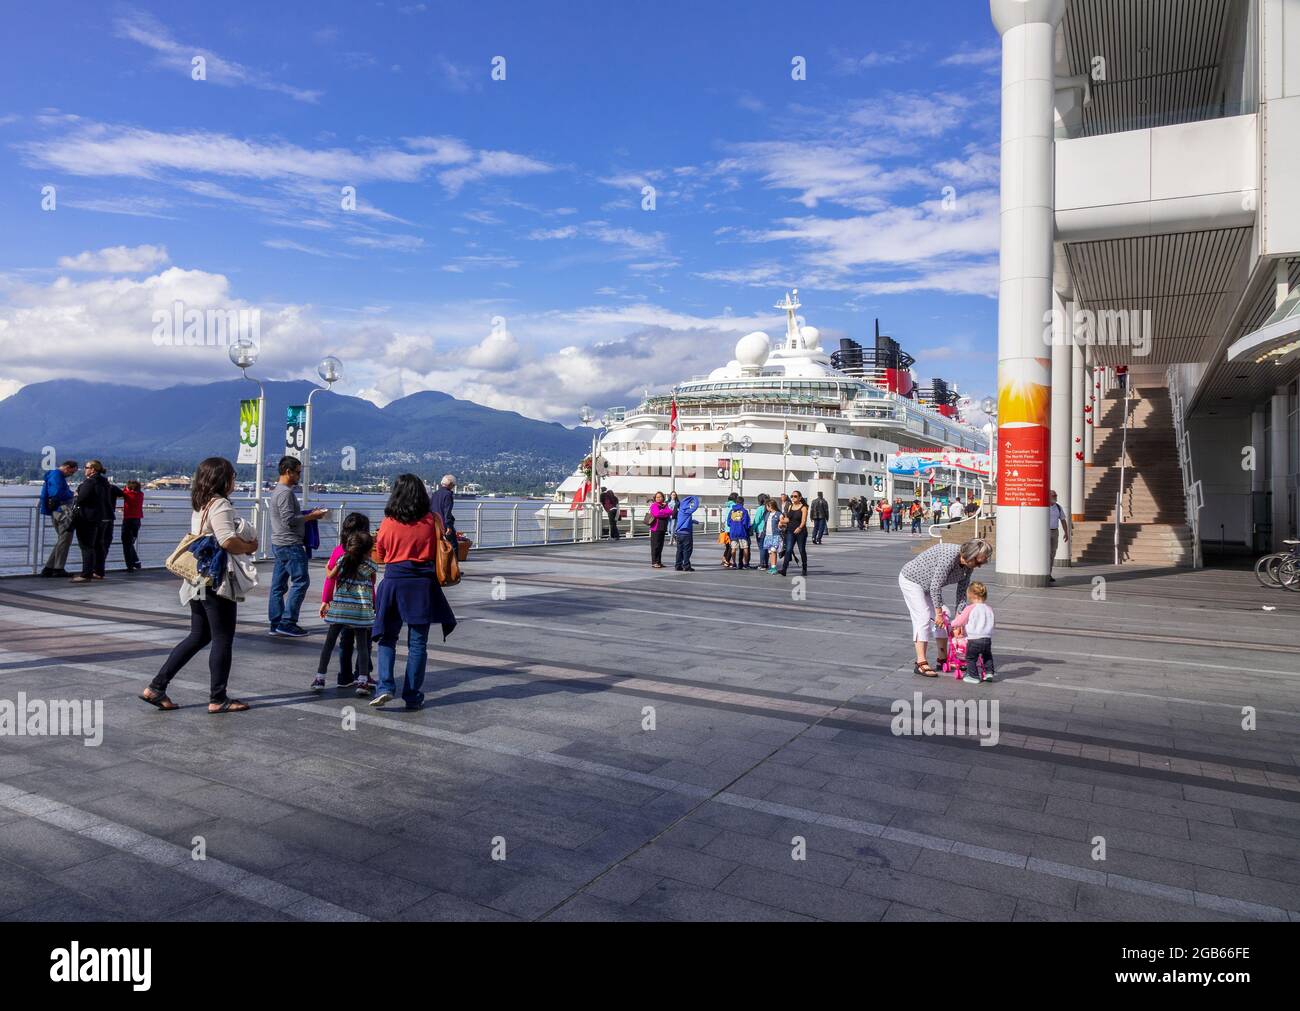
{"x":753,"y":349}
{"x":812,"y":338}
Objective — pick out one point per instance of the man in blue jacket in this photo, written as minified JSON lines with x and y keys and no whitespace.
{"x":56,"y":503}
{"x":682,"y":527}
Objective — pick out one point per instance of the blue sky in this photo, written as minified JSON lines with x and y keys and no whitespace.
{"x":499,"y":248}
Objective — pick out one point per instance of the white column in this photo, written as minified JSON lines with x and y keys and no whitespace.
{"x":1079,"y":386}
{"x":1281,"y":463}
{"x":1257,"y":475}
{"x":1028,"y":30}
{"x":1061,"y":363}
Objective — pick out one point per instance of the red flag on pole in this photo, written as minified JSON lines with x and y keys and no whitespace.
{"x":672,"y":425}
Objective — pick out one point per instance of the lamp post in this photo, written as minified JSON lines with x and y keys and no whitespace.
{"x":330,"y":370}
{"x":990,"y":407}
{"x":243,"y":354}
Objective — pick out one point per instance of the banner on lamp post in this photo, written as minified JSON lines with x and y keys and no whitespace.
{"x":295,"y":431}
{"x":250,"y":431}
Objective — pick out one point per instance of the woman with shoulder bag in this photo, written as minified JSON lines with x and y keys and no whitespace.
{"x":407,"y":544}
{"x":212,"y":610}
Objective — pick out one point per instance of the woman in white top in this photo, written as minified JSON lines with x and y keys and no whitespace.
{"x":212,"y":612}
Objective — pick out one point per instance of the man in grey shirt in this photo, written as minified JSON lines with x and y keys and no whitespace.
{"x":290,"y":579}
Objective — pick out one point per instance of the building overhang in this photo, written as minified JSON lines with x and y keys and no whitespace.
{"x":1277,"y":340}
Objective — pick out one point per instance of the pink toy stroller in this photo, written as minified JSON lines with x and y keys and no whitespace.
{"x":956,"y":658}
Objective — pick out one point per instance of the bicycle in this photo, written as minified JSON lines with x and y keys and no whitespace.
{"x":1280,"y":568}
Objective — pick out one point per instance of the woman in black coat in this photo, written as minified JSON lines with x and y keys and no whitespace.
{"x":94,"y":513}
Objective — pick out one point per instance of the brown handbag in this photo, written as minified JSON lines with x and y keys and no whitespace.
{"x":446,"y":566}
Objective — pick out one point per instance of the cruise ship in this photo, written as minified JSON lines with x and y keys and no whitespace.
{"x":781,"y":417}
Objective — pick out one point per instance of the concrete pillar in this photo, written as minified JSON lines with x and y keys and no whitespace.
{"x":1028,"y":30}
{"x":1257,"y":486}
{"x":1062,"y":471}
{"x":1281,"y":476}
{"x":1079,"y":386}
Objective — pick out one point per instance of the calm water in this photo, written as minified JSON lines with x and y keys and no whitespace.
{"x":489,"y":522}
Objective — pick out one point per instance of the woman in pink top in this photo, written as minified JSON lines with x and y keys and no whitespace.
{"x":353,"y":523}
{"x":660,"y":514}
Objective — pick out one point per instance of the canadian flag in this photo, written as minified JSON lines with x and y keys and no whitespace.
{"x":673,"y":426}
{"x":580,"y":496}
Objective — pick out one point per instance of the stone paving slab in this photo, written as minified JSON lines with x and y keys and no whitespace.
{"x":771,"y":786}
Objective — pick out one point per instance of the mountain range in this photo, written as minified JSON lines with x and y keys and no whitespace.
{"x":183,"y":424}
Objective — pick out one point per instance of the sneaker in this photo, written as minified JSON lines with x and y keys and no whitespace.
{"x":364,"y":687}
{"x":772,"y":571}
{"x":293,"y":631}
{"x":381,"y":698}
{"x":989,"y":676}
{"x":346,"y":681}
{"x":273,"y":630}
{"x":318,"y":683}
{"x":972,"y":678}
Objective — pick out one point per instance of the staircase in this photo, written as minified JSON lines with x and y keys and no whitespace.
{"x":1155,"y":530}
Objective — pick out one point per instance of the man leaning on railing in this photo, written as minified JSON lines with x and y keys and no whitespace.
{"x":56,"y":503}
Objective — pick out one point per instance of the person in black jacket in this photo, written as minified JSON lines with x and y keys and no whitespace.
{"x":94,"y":514}
{"x":609,"y":502}
{"x":441,"y":501}
{"x":821,"y":512}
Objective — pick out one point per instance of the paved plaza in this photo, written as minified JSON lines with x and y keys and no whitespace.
{"x":770,"y":786}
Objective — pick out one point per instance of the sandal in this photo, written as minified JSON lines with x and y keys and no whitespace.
{"x":160,"y":701}
{"x":229,"y":706}
{"x":924,"y":669}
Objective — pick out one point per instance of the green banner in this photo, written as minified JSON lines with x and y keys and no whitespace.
{"x":250,"y":431}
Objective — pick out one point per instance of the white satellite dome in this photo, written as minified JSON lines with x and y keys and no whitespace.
{"x":812,"y":338}
{"x":753,"y":349}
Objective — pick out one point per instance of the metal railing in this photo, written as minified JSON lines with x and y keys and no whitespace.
{"x":1123,"y":466}
{"x":1193,"y":491}
{"x":26,"y":537}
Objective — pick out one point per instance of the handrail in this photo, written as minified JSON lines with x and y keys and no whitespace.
{"x":1123,"y":464}
{"x":26,"y":535}
{"x":1193,"y":490}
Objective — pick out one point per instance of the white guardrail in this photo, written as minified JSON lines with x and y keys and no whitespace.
{"x":1193,"y":491}
{"x":26,"y":536}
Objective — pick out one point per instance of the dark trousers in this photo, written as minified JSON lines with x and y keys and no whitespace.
{"x":657,"y":544}
{"x":350,"y":637}
{"x":89,"y":534}
{"x":796,"y":540}
{"x":976,"y":649}
{"x":101,"y":549}
{"x":212,"y":621}
{"x":613,"y":523}
{"x":685,"y":545}
{"x":130,"y":534}
{"x":819,"y":531}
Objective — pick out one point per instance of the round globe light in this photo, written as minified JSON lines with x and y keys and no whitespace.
{"x":330,"y":370}
{"x":243,"y":353}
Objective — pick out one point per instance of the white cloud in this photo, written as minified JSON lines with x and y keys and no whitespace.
{"x":148,"y":31}
{"x":116,"y":260}
{"x":984,"y":57}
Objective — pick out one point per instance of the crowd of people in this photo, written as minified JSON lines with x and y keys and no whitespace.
{"x":89,"y":513}
{"x":364,"y":611}
{"x":767,"y":539}
{"x":360,"y":608}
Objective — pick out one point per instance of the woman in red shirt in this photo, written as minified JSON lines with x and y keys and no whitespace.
{"x":132,"y":514}
{"x":407,"y":546}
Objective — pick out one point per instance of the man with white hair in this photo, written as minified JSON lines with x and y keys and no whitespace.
{"x":441,"y":501}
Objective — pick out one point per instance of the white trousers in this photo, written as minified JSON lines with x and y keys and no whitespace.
{"x":919,"y":608}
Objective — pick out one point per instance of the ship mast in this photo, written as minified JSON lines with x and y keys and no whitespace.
{"x":790,"y":303}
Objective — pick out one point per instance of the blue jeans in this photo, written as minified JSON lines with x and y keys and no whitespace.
{"x":417,"y":644}
{"x":289,"y":584}
{"x":685,"y":544}
{"x":819,"y":531}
